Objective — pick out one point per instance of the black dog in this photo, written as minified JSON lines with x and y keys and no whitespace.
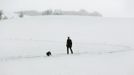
{"x":48,"y":53}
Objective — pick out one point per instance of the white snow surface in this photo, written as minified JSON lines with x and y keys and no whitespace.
{"x":102,"y":46}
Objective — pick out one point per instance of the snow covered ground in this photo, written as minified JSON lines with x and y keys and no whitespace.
{"x":81,"y":64}
{"x":102,"y":46}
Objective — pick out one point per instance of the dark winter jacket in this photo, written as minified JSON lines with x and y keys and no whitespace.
{"x":69,"y":43}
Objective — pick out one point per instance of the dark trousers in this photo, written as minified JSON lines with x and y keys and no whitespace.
{"x":70,"y":50}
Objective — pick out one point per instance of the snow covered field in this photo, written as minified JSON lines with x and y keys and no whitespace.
{"x":102,"y":46}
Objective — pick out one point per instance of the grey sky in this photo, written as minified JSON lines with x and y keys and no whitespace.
{"x":109,"y":8}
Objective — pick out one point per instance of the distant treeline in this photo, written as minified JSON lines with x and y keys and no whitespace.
{"x":81,"y":12}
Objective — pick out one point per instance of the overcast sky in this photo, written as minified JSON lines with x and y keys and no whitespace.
{"x":109,"y":8}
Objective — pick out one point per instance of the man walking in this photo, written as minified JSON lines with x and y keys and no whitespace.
{"x":69,"y":45}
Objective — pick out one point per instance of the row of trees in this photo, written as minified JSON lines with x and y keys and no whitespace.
{"x":61,"y":12}
{"x":58,"y":12}
{"x":21,"y":14}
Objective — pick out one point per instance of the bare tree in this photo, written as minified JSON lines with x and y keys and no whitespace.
{"x":57,"y":12}
{"x":1,"y":13}
{"x":47,"y":12}
{"x":21,"y":14}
